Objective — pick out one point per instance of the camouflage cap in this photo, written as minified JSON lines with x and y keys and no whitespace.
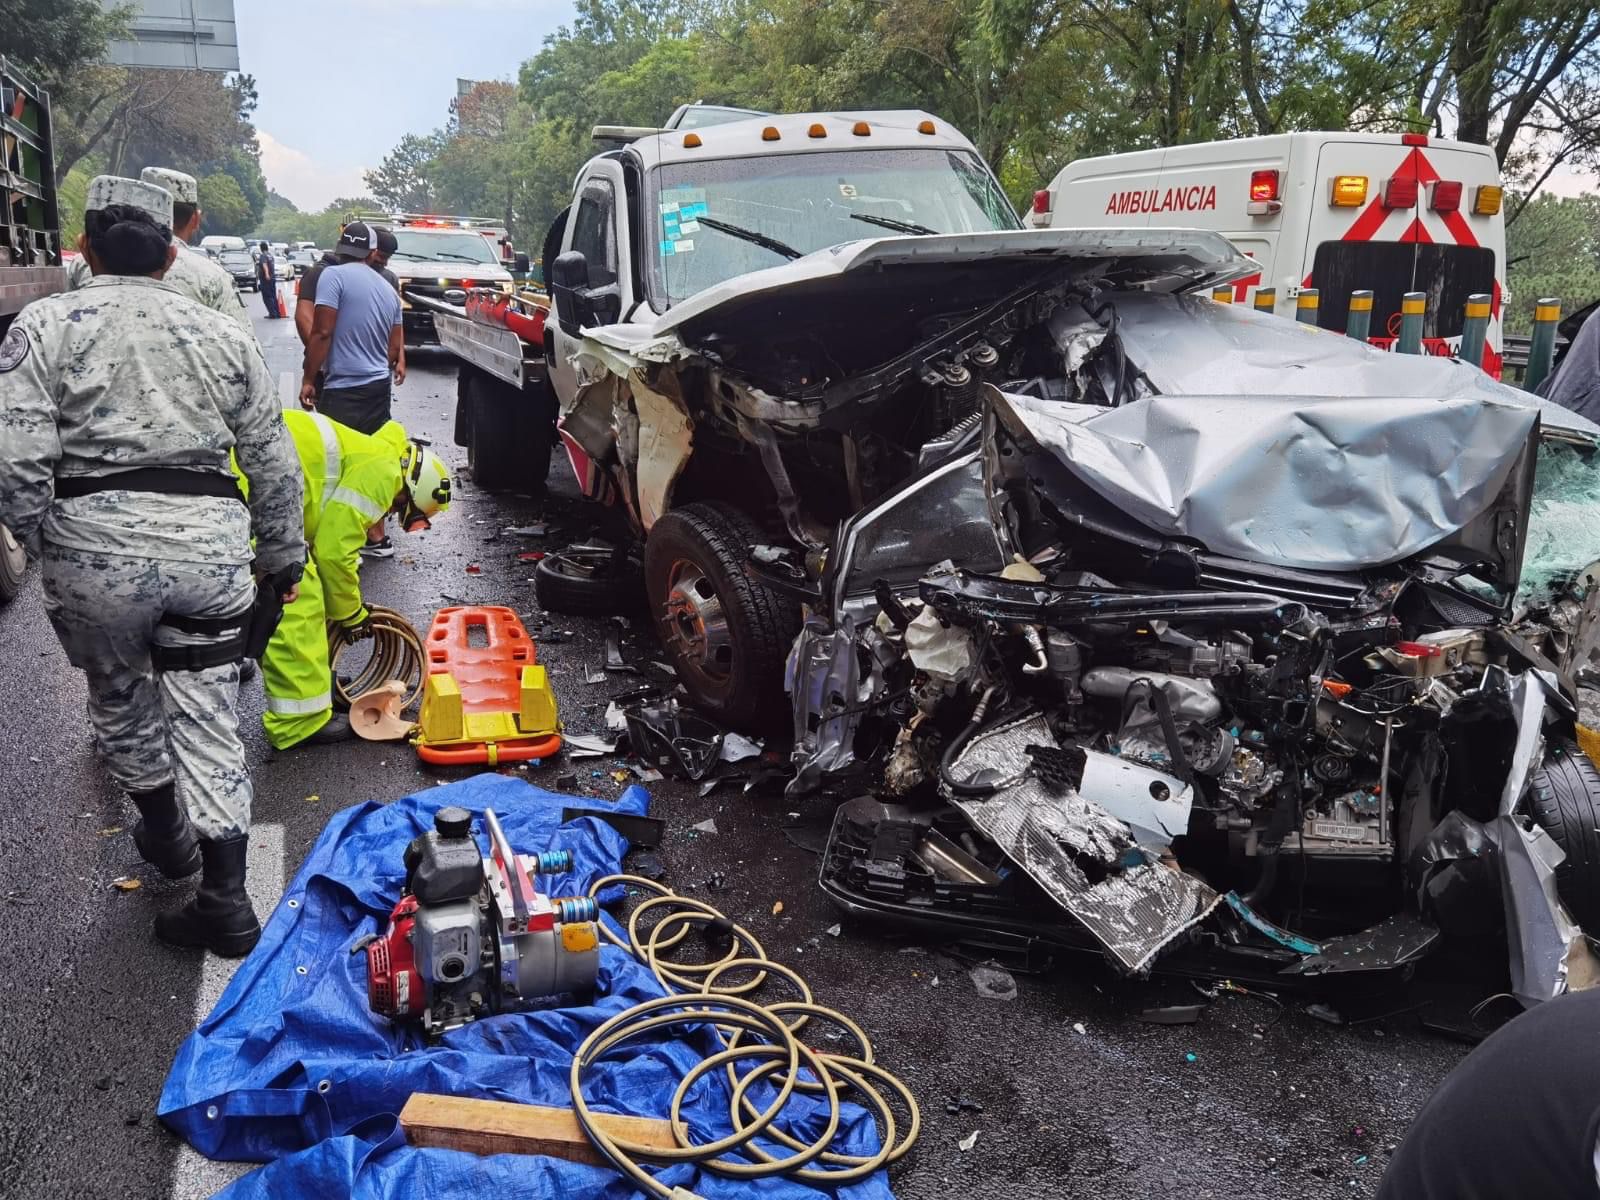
{"x":183,"y":187}
{"x":106,"y":190}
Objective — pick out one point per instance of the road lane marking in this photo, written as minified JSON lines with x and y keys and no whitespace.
{"x":194,"y":1176}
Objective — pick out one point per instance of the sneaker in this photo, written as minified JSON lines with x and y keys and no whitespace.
{"x":383,"y":549}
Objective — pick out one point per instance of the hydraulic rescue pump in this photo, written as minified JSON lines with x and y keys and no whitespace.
{"x":472,"y":936}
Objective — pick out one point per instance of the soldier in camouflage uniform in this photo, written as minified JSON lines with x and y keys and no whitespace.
{"x":119,"y":405}
{"x":192,"y":273}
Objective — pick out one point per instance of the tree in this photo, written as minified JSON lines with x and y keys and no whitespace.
{"x":227,"y":211}
{"x":53,"y":38}
{"x":402,"y":181}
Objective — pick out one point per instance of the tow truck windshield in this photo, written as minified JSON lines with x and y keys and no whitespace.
{"x":432,"y":246}
{"x":720,"y":218}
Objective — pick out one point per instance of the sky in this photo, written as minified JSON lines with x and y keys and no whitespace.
{"x":342,"y":81}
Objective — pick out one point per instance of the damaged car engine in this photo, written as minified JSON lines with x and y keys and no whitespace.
{"x":1215,"y":685}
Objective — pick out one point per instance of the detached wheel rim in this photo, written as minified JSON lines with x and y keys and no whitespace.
{"x":695,"y":624}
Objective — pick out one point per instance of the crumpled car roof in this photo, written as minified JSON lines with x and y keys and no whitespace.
{"x":1314,"y":482}
{"x":1191,"y":346}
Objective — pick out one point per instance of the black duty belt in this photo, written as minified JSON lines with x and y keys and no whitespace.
{"x":168,"y":481}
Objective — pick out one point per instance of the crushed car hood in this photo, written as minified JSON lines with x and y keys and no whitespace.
{"x":922,"y":277}
{"x":1319,"y":483}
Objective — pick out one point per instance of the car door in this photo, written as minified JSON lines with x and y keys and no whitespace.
{"x":598,"y":228}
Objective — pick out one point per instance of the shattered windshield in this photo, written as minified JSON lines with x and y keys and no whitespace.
{"x":722,"y":218}
{"x":1563,"y":535}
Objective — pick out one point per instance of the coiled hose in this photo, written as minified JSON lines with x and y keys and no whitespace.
{"x":697,"y":997}
{"x":396,"y":654}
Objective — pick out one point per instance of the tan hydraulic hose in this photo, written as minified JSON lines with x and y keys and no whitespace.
{"x":396,"y":654}
{"x":747,"y":1031}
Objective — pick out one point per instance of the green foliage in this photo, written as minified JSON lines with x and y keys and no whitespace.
{"x":1553,"y":249}
{"x":52,"y":38}
{"x":227,"y":209}
{"x":1034,"y":83}
{"x":71,"y":195}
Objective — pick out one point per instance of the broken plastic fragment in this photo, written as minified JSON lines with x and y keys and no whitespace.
{"x":126,"y":884}
{"x":588,"y":745}
{"x":777,"y":908}
{"x":968,"y":1142}
{"x":736,"y":748}
{"x":615,"y":720}
{"x":709,"y":825}
{"x":994,"y":982}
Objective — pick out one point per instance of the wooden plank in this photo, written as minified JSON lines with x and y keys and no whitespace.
{"x":495,"y":1127}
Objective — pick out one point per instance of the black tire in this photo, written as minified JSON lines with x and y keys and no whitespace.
{"x":13,"y":565}
{"x":1566,"y":804}
{"x":695,"y":555}
{"x":581,"y":585}
{"x":509,"y":435}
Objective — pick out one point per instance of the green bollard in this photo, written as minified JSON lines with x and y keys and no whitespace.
{"x":1266,"y":300}
{"x":1223,"y":294}
{"x":1542,"y":351}
{"x":1305,"y":306}
{"x":1475,"y":328}
{"x":1413,"y":306}
{"x":1359,"y":323}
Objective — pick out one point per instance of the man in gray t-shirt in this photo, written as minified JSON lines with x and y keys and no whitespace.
{"x":357,"y":338}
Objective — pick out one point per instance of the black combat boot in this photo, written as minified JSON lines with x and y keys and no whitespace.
{"x":219,"y":918}
{"x":163,"y":835}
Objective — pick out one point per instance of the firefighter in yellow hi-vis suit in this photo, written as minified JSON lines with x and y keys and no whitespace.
{"x":351,"y":480}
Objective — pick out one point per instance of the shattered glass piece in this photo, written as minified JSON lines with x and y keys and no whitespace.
{"x":709,"y":825}
{"x":1083,"y":857}
{"x":1284,"y":937}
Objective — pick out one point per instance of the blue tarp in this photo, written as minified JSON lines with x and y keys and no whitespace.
{"x":292,"y":1069}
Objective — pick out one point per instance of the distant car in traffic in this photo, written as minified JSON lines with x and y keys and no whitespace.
{"x":240,"y":263}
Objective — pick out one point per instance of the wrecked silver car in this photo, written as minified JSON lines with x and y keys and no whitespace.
{"x":1238,"y":649}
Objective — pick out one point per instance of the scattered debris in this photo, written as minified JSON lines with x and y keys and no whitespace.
{"x":538,"y":529}
{"x":1172,"y":1014}
{"x":993,"y":981}
{"x":593,"y":674}
{"x":314,"y":798}
{"x":616,"y":719}
{"x":530,"y":556}
{"x":646,"y":774}
{"x":833,"y":930}
{"x":111,"y":831}
{"x":736,"y":748}
{"x":709,"y":825}
{"x":1191,"y":1058}
{"x":126,"y":883}
{"x":960,"y":1103}
{"x":968,"y":1142}
{"x":676,"y":739}
{"x":1078,"y":1028}
{"x":777,"y":908}
{"x":717,"y":881}
{"x":614,"y":659}
{"x":647,"y":865}
{"x":717,"y":781}
{"x":588,"y":745}
{"x":474,"y":569}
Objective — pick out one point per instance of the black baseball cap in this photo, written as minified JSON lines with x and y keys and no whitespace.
{"x":387,"y":242}
{"x":357,"y":241}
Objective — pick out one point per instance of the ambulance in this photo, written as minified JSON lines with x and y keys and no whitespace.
{"x":1389,"y":213}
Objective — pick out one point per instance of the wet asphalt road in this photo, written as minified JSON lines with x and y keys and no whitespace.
{"x":1077,"y":1096}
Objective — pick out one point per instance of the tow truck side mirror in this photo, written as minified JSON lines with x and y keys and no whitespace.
{"x":569,"y":286}
{"x":520,"y":262}
{"x":578,"y":301}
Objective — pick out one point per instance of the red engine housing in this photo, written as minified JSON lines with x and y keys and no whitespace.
{"x":394,"y":988}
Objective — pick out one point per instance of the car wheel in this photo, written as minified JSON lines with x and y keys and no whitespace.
{"x":1566,"y":804}
{"x":595,"y":581}
{"x":13,"y":564}
{"x":726,"y":634}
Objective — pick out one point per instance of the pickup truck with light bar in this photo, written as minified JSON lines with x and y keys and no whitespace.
{"x":439,"y":258}
{"x":1390,"y":213}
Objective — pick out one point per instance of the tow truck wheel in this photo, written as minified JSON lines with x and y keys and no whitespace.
{"x":726,"y":634}
{"x":1566,"y":804}
{"x":13,"y":562}
{"x":509,"y":435}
